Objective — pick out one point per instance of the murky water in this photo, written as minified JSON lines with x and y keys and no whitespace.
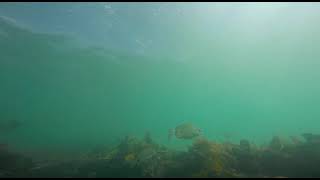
{"x":87,"y":74}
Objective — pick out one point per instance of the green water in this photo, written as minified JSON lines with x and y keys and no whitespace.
{"x":252,"y":79}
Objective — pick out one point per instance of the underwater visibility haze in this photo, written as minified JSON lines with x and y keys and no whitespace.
{"x":82,"y":76}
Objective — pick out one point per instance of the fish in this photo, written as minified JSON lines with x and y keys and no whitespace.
{"x":184,"y":131}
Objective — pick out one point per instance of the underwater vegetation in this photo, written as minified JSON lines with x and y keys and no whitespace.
{"x":52,"y":83}
{"x":134,"y":157}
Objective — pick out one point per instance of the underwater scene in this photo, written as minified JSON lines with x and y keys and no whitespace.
{"x":151,"y":89}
